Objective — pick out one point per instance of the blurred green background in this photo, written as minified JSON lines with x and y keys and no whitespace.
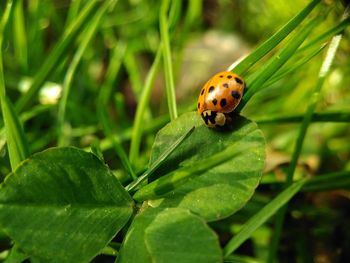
{"x":206,"y":37}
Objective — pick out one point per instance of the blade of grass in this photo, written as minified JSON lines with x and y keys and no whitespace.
{"x":102,"y":102}
{"x":159,"y":161}
{"x":278,"y":60}
{"x":262,"y":216}
{"x":133,"y":71}
{"x":328,"y":182}
{"x":73,"y":11}
{"x":59,"y":51}
{"x":16,"y":141}
{"x":336,"y":116}
{"x":274,"y":40}
{"x":84,"y":43}
{"x":141,"y":107}
{"x":296,"y":64}
{"x":301,"y":136}
{"x":19,"y":35}
{"x":326,"y":35}
{"x":180,"y":176}
{"x":167,"y":60}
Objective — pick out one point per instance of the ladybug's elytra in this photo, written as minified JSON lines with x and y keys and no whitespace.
{"x":219,"y":97}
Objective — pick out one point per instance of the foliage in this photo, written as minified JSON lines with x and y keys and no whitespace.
{"x":105,"y":160}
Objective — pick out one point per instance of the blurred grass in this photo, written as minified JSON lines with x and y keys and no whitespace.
{"x":60,"y":50}
{"x":167,"y":59}
{"x":274,"y":40}
{"x":114,"y":98}
{"x":87,"y":36}
{"x":16,"y":142}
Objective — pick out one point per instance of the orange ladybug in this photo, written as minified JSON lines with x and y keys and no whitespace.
{"x":219,"y":97}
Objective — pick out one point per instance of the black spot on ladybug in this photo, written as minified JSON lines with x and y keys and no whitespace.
{"x":221,"y":76}
{"x":235,"y":94}
{"x":209,"y":117}
{"x":199,"y":105}
{"x":225,"y":85}
{"x":202,"y":91}
{"x":238,"y":80}
{"x":223,"y":102}
{"x":211,"y":89}
{"x":229,"y":77}
{"x":212,"y":117}
{"x":215,"y":101}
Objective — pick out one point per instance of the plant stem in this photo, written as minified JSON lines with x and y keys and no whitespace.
{"x":137,"y":129}
{"x":167,"y":60}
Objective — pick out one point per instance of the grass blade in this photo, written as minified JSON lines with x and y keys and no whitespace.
{"x":278,"y":60}
{"x":159,"y":161}
{"x":55,"y":57}
{"x":16,"y":141}
{"x":102,"y":101}
{"x":20,"y":40}
{"x":168,"y":67}
{"x":273,"y":41}
{"x":328,"y":182}
{"x":337,"y":116}
{"x":326,"y":35}
{"x":141,"y":108}
{"x":178,"y":177}
{"x":296,"y":64}
{"x":133,"y":71}
{"x":86,"y":39}
{"x":299,"y":143}
{"x":262,"y":216}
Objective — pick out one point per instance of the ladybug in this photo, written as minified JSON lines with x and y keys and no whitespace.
{"x":219,"y":97}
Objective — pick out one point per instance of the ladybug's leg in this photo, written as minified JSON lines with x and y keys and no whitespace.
{"x":213,"y":118}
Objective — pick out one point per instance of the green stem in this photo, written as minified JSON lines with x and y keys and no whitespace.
{"x":167,"y":60}
{"x":20,"y":40}
{"x":102,"y":101}
{"x":137,"y":129}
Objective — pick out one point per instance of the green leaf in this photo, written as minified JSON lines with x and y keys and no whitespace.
{"x":169,"y":235}
{"x":63,"y":205}
{"x":182,"y":175}
{"x":15,"y":255}
{"x":262,"y":216}
{"x":220,"y":191}
{"x":159,"y":161}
